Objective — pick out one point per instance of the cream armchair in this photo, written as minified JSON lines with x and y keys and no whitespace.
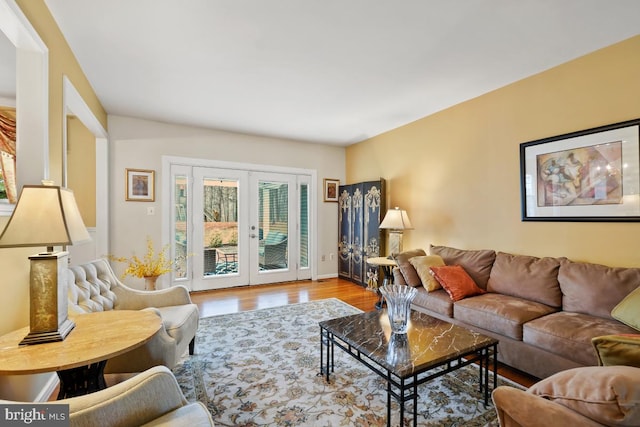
{"x":95,"y":287}
{"x":151,"y":398}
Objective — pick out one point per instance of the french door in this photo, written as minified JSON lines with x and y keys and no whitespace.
{"x":236,"y":227}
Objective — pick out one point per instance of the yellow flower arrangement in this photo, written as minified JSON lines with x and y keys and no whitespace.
{"x":151,"y":265}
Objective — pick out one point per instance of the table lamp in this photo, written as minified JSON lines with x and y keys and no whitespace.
{"x":396,"y":221}
{"x":46,"y":215}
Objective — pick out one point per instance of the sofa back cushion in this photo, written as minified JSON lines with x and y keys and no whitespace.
{"x":90,"y":287}
{"x":595,"y":289}
{"x":527,"y":277}
{"x":477,"y":263}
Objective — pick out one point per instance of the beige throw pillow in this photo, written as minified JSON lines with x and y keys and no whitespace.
{"x":423,"y":264}
{"x":628,"y":310}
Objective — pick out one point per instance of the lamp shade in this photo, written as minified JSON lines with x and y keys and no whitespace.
{"x":396,"y":219}
{"x":45,"y":215}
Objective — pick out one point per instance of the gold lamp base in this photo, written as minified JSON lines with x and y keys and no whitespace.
{"x":52,"y":336}
{"x":48,"y":299}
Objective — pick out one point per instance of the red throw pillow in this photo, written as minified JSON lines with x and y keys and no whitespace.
{"x":456,"y":282}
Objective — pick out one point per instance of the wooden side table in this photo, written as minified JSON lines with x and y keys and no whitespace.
{"x":386,"y":265}
{"x":80,"y":359}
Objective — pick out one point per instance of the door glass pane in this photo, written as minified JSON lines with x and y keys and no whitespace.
{"x":180,"y":221}
{"x":220,"y":227}
{"x":273,"y":223}
{"x":304,"y":226}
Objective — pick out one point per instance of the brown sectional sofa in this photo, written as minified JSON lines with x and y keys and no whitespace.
{"x":544,"y":311}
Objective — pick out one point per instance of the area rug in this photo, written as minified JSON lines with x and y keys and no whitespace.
{"x":260,"y":368}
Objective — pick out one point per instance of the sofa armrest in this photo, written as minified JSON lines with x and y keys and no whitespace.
{"x":517,"y":408}
{"x":134,"y":299}
{"x":398,"y":278}
{"x":133,"y":402}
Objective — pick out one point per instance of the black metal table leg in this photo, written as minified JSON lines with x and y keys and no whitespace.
{"x":82,"y":380}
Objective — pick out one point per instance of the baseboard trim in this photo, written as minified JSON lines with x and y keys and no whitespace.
{"x":49,"y":389}
{"x":327,"y":276}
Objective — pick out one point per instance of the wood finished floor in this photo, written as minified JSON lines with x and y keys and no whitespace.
{"x":233,"y":300}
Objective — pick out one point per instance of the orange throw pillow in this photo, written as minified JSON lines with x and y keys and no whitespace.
{"x":456,"y":282}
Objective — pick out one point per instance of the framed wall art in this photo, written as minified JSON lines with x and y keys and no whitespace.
{"x":591,"y":175}
{"x":331,"y":190}
{"x":140,"y":185}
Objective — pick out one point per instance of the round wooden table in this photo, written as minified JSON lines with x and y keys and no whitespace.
{"x":80,"y":359}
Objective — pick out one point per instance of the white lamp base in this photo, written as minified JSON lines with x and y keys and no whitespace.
{"x":395,"y":242}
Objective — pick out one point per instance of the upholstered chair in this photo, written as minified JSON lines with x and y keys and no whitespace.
{"x":95,"y":287}
{"x":587,"y":396}
{"x":150,"y":398}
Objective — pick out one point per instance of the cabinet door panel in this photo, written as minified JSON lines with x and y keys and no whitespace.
{"x":344,"y":231}
{"x":357,"y":241}
{"x":373,"y":202}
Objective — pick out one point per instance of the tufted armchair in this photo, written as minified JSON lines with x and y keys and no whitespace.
{"x":95,"y":287}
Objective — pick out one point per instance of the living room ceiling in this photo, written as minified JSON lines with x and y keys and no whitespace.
{"x":323,"y":71}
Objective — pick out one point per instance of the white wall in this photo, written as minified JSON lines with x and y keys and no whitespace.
{"x":140,"y":144}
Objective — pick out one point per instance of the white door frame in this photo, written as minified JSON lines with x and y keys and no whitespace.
{"x":166,"y":186}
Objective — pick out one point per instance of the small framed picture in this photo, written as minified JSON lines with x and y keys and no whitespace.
{"x":140,"y":185}
{"x":331,"y":190}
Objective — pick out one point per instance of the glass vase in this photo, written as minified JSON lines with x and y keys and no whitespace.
{"x":399,"y":298}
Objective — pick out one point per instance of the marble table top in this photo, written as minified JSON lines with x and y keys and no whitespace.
{"x":429,"y":342}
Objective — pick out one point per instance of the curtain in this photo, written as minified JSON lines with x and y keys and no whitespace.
{"x":8,"y":153}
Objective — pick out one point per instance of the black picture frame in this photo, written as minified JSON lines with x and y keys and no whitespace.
{"x":591,"y":175}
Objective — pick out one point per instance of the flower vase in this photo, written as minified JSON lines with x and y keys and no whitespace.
{"x":150,"y":282}
{"x":399,"y":298}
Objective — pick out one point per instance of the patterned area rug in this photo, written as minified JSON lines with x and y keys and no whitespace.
{"x":260,"y":368}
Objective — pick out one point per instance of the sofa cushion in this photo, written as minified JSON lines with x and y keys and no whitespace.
{"x":569,"y":334}
{"x":527,"y":277}
{"x":423,"y":265}
{"x":621,"y":349}
{"x":437,"y":301}
{"x":477,"y":263}
{"x":628,"y":310}
{"x":499,"y":313}
{"x":179,"y":320}
{"x":608,"y":395}
{"x":595,"y":289}
{"x":408,"y":271}
{"x":456,"y":282}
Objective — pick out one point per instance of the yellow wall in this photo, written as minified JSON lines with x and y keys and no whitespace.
{"x":14,"y":263}
{"x":61,"y":62}
{"x":81,"y":175}
{"x":457,"y":171}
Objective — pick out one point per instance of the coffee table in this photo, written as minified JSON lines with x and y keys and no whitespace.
{"x":408,"y":360}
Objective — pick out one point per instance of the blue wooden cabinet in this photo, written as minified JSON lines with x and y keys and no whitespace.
{"x":361,"y":207}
